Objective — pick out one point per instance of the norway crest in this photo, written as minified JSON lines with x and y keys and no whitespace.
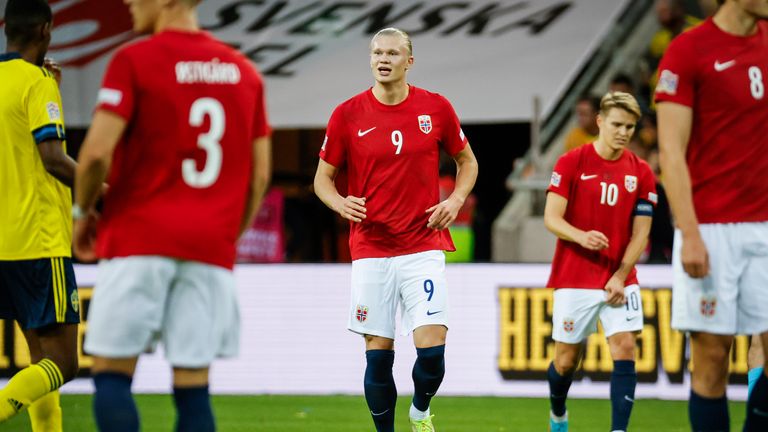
{"x":630,"y":182}
{"x":361,"y":313}
{"x":425,"y":123}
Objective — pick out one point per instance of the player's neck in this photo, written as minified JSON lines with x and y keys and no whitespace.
{"x":28,"y":53}
{"x":391,"y":93}
{"x":606,"y":152}
{"x":734,"y":20}
{"x":177,"y":18}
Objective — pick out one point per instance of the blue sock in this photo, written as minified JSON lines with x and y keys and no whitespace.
{"x":113,"y":404}
{"x":752,"y":377}
{"x":193,"y":409}
{"x":708,"y":415}
{"x":380,"y":391}
{"x":428,"y":373}
{"x":558,"y":390}
{"x":757,"y":406}
{"x":623,"y":383}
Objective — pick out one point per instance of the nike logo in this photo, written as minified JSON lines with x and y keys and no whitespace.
{"x":759,"y":412}
{"x":381,"y":413}
{"x":629,"y":399}
{"x":365,"y":132}
{"x":631,"y":318}
{"x":432,"y":313}
{"x":723,"y":66}
{"x":587,"y":177}
{"x":429,"y":394}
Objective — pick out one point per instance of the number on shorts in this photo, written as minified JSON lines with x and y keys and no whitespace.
{"x":429,"y":288}
{"x":633,"y":302}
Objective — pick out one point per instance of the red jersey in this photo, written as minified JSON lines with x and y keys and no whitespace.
{"x":181,"y":172}
{"x":391,"y":156}
{"x":602,"y":195}
{"x":723,"y":78}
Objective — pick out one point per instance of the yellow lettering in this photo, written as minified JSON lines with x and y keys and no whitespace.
{"x":598,"y":354}
{"x":739,"y":355}
{"x":20,"y":348}
{"x":4,"y":360}
{"x":86,"y":361}
{"x":672,"y":341}
{"x":646,"y":357}
{"x":513,"y":328}
{"x":541,"y":329}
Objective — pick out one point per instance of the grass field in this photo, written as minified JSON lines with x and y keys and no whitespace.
{"x":349,"y":414}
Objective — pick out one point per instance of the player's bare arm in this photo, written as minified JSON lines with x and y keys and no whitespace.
{"x":641,"y":228}
{"x":56,"y":162}
{"x":351,"y":207}
{"x":675,"y":123}
{"x":94,"y":161}
{"x":554,"y":220}
{"x":445,"y":213}
{"x":262,"y":173}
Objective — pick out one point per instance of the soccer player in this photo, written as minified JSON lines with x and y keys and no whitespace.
{"x":181,"y":129}
{"x":713,"y":131}
{"x":600,"y":205}
{"x":37,"y":281}
{"x":388,"y":140}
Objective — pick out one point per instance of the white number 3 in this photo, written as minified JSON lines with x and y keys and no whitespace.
{"x":397,"y":139}
{"x":208,"y":141}
{"x":756,"y":82}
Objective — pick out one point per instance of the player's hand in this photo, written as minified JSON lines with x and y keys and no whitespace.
{"x":352,"y":208}
{"x":444,"y":213}
{"x":694,"y":256}
{"x":593,"y":240}
{"x":53,"y":67}
{"x":84,"y":237}
{"x":614,"y":295}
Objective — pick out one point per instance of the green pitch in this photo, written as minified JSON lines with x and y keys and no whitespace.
{"x":349,"y":414}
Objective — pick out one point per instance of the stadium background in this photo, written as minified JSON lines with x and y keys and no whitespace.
{"x":513,"y":71}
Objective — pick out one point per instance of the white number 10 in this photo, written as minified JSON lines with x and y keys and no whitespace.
{"x":208,"y":141}
{"x":609,"y":193}
{"x":397,"y":139}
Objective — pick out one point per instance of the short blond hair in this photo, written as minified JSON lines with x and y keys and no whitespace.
{"x":621,"y":100}
{"x":391,"y":31}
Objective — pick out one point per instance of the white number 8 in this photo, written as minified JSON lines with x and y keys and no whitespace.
{"x":209,"y":141}
{"x":756,"y":82}
{"x":397,"y":139}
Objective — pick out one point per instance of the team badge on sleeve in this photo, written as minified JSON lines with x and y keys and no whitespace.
{"x":325,"y":141}
{"x":667,"y":82}
{"x":110,"y":96}
{"x":652,"y":197}
{"x":361,"y":313}
{"x":555,"y":179}
{"x":425,"y":123}
{"x":630,"y":183}
{"x":54,"y":113}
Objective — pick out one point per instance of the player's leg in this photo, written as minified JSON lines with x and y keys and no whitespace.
{"x":423,"y":291}
{"x":622,"y":324}
{"x":757,"y":406}
{"x":202,"y":322}
{"x":755,"y":361}
{"x":560,"y":377}
{"x":708,"y":406}
{"x":125,"y":314}
{"x":373,"y":307}
{"x":45,"y":291}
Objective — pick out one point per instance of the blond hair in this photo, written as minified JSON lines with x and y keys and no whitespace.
{"x":621,"y":100}
{"x":391,"y":31}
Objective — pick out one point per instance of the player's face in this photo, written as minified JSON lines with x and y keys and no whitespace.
{"x":144,"y":14}
{"x":390,"y":58}
{"x":756,"y":8}
{"x":616,"y":128}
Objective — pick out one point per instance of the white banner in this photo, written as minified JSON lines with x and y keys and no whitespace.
{"x":490,"y":58}
{"x":294,"y":337}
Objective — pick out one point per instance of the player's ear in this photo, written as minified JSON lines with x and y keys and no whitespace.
{"x":409,"y":63}
{"x":599,"y":121}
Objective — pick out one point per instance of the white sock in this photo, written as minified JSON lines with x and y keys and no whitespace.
{"x":558,"y":419}
{"x":418,"y":415}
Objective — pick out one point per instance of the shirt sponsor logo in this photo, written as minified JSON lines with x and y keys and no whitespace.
{"x":110,"y":96}
{"x":723,"y":66}
{"x":210,"y":72}
{"x":54,"y":113}
{"x":668,"y":82}
{"x":630,"y":183}
{"x":361,"y":313}
{"x":555,"y":180}
{"x":652,"y":197}
{"x":425,"y":123}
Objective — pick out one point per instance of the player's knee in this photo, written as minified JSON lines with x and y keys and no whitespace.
{"x":623,"y":348}
{"x":565,"y":364}
{"x":68,"y":365}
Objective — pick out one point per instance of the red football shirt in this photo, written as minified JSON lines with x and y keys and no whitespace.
{"x":723,"y":78}
{"x":602,"y":196}
{"x":391,"y":156}
{"x":181,"y":172}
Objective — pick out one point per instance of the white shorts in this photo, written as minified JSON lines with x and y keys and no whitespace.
{"x":415,"y":282}
{"x":577,"y":310}
{"x":190,"y":306}
{"x":733,"y":299}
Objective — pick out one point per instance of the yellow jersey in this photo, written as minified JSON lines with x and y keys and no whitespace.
{"x":35,"y":208}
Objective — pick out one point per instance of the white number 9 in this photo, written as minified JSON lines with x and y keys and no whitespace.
{"x":397,"y":139}
{"x":209,"y":141}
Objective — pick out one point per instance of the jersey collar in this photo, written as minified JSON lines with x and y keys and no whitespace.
{"x":9,"y":56}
